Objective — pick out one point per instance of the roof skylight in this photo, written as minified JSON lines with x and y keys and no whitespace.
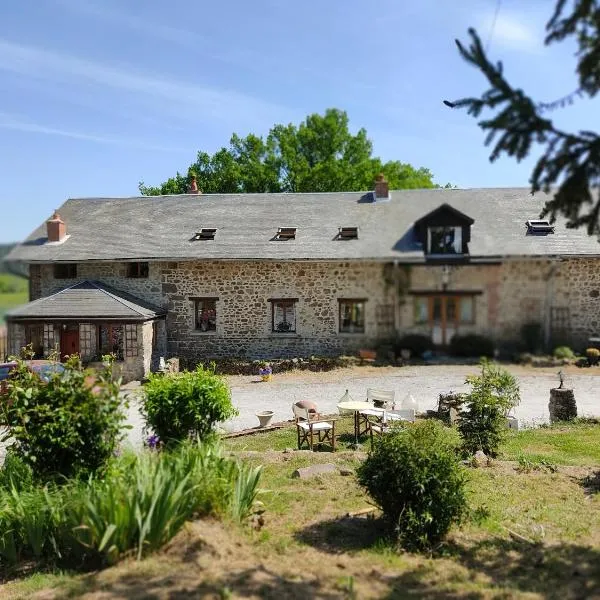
{"x":286,"y":233}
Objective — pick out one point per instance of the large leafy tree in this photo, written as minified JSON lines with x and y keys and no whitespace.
{"x":570,"y":163}
{"x":319,"y":155}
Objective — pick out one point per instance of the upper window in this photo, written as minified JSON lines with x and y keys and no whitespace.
{"x":348,"y":233}
{"x":283,"y":315}
{"x":205,"y":314}
{"x":352,"y":316}
{"x":65,"y":271}
{"x":444,"y":240}
{"x":137,"y":270}
{"x":206,"y":233}
{"x":286,"y":233}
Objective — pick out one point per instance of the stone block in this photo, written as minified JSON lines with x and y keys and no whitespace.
{"x":313,"y":470}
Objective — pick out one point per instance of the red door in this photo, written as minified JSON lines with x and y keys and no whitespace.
{"x":69,"y":342}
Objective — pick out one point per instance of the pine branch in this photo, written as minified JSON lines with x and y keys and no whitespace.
{"x":571,"y":159}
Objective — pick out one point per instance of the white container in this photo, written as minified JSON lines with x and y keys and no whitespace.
{"x":409,"y":402}
{"x":265,"y":417}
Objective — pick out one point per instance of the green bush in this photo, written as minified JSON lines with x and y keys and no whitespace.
{"x":563,"y":352}
{"x":417,"y":344}
{"x":593,"y":356}
{"x":69,"y":425}
{"x":482,"y":422}
{"x":414,"y":475}
{"x":531,"y":337}
{"x":472,"y":344}
{"x":139,"y":503}
{"x":186,"y":404}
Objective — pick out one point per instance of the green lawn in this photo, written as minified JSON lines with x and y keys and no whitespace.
{"x":8,"y":301}
{"x":529,"y":534}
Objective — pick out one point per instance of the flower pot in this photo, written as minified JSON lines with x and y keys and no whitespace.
{"x":265,"y":417}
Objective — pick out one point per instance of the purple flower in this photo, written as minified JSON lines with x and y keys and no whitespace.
{"x":153,"y":441}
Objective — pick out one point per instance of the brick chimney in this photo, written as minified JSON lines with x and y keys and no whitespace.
{"x":193,"y":187}
{"x":56,"y":228}
{"x":382,"y":188}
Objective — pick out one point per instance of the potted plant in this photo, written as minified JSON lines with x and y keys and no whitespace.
{"x":265,"y":371}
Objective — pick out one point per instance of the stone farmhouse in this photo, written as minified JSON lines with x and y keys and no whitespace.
{"x":282,"y":275}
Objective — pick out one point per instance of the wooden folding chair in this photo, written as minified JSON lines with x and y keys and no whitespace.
{"x":312,"y":430}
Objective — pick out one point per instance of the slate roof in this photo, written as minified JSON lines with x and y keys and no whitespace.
{"x":88,"y":300}
{"x":162,"y":227}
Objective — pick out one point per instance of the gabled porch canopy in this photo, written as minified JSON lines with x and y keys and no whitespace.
{"x":88,"y":300}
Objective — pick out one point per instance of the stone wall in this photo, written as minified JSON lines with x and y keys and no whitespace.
{"x":482,"y":279}
{"x":113,"y":274}
{"x":243,"y":290}
{"x":509,"y":295}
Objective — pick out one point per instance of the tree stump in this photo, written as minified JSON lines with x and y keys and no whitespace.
{"x":562,"y":405}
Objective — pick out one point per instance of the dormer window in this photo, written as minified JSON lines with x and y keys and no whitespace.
{"x":444,"y":240}
{"x":347,"y":233}
{"x":286,"y":233}
{"x":444,"y":232}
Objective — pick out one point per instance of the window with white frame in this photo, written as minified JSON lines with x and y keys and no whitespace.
{"x":444,"y":240}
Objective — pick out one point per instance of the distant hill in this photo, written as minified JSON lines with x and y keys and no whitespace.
{"x":10,"y":268}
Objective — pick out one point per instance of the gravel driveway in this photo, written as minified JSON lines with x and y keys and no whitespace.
{"x":425,"y":383}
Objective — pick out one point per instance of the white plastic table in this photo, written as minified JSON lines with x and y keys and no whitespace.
{"x":357,"y":407}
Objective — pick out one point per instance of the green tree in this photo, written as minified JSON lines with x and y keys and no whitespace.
{"x":569,"y":160}
{"x":319,"y":155}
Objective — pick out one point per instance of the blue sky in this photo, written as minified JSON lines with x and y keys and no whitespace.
{"x":96,"y":95}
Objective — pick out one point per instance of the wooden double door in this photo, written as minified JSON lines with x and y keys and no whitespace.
{"x":446,"y":313}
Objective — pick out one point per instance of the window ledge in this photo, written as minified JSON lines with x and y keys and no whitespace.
{"x":203,"y":333}
{"x":351,"y":333}
{"x":285,"y":334}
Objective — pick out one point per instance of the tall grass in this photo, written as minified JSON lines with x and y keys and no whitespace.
{"x":141,"y":502}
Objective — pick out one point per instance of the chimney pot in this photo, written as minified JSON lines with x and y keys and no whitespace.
{"x":56,"y":228}
{"x":382,"y":188}
{"x":193,"y":187}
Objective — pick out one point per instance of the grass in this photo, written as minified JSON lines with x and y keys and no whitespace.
{"x":532,"y":534}
{"x":8,"y":301}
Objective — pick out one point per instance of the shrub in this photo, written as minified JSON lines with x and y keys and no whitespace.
{"x":593,"y":355}
{"x":482,"y":422}
{"x":70,"y":424}
{"x":186,"y":404}
{"x":414,"y":475}
{"x":531,"y":336}
{"x":471,"y":345}
{"x":563,"y":352}
{"x":417,"y":344}
{"x":137,"y":506}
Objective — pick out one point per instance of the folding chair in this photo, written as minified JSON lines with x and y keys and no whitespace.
{"x":311,"y":430}
{"x":383,"y":398}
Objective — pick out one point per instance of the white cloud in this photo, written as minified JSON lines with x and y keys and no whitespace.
{"x":16,"y":123}
{"x":512,"y":32}
{"x":179,"y":98}
{"x":183,"y":37}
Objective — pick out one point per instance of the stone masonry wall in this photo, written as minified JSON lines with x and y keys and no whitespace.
{"x":483,"y":279}
{"x":511,"y":294}
{"x":243,"y":318}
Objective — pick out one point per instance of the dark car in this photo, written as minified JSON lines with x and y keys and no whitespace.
{"x":44,"y":369}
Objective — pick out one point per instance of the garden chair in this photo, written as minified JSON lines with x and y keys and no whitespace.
{"x":379,"y":426}
{"x":312,"y":430}
{"x":380,"y":399}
